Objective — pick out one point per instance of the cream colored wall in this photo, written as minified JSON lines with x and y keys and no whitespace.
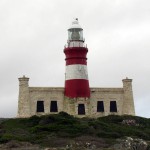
{"x":28,"y":97}
{"x":97,"y":94}
{"x":106,"y":95}
{"x":23,"y":98}
{"x":47,"y":95}
{"x":71,"y":106}
{"x":128,"y":103}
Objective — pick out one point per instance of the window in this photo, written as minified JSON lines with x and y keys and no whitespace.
{"x":81,"y":109}
{"x":113,"y":106}
{"x":53,"y":107}
{"x":100,"y":106}
{"x":40,"y":106}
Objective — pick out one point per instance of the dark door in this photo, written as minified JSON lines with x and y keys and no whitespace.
{"x":100,"y":106}
{"x":40,"y":106}
{"x":113,"y":106}
{"x":53,"y":107}
{"x":81,"y":109}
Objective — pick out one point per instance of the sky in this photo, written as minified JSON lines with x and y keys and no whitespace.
{"x":33,"y":34}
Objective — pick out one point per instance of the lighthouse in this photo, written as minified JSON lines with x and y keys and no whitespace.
{"x":76,"y":98}
{"x":76,"y":74}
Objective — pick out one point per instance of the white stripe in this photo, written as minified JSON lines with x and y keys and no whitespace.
{"x":76,"y":72}
{"x":76,"y":44}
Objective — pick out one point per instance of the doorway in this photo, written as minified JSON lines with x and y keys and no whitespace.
{"x":81,"y":109}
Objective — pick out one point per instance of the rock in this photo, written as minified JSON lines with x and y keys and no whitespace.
{"x":16,"y":145}
{"x":131,"y":144}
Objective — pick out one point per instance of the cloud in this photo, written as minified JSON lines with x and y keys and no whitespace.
{"x":33,"y":34}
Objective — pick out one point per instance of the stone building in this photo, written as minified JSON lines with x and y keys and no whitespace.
{"x":76,"y":98}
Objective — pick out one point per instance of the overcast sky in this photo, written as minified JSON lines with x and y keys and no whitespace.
{"x":33,"y":34}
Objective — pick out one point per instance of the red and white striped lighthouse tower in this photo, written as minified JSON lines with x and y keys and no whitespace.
{"x":76,"y":76}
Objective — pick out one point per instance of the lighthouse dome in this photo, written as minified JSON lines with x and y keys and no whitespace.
{"x":75,"y":24}
{"x":75,"y":32}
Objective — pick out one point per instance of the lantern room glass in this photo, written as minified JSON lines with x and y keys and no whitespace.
{"x":75,"y":34}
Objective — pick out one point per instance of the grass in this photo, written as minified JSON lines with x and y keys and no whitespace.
{"x":40,"y":130}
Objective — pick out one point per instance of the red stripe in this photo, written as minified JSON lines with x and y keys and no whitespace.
{"x":76,"y":55}
{"x":77,"y":88}
{"x":76,"y":61}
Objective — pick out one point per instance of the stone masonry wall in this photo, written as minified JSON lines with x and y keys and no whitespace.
{"x":106,"y":95}
{"x":47,"y":95}
{"x":28,"y":97}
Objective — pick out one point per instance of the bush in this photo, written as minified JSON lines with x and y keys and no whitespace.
{"x":38,"y":129}
{"x":108,"y":134}
{"x":112,"y":119}
{"x":34,"y":120}
{"x":47,"y":120}
{"x":64,"y":114}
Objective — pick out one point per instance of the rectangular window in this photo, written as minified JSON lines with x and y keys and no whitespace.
{"x":113,"y":106}
{"x":100,"y":106}
{"x":53,"y":106}
{"x":40,"y":106}
{"x":81,"y":109}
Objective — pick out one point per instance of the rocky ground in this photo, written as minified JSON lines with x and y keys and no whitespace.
{"x":15,"y":145}
{"x":79,"y":143}
{"x":121,"y":144}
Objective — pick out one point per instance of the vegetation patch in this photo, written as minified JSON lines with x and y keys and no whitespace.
{"x":40,"y":130}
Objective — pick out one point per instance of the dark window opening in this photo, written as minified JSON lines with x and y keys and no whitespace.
{"x":100,"y":106}
{"x":81,"y":109}
{"x":53,"y":107}
{"x":113,"y":106}
{"x":40,"y":106}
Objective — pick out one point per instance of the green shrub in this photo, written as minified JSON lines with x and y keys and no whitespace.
{"x":108,"y":134}
{"x":64,"y":114}
{"x":34,"y":120}
{"x":6,"y":137}
{"x":143,"y":135}
{"x":37,"y":129}
{"x":111,"y":119}
{"x":48,"y":119}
